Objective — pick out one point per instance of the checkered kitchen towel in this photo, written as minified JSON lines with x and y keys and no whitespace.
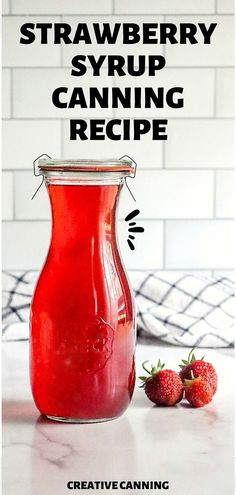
{"x":176,"y":308}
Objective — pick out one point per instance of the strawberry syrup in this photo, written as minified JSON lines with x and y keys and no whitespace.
{"x":82,"y":328}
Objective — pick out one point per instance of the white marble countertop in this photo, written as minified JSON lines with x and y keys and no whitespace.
{"x":192,"y":448}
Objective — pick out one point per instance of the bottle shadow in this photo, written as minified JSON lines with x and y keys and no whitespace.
{"x":19,"y":412}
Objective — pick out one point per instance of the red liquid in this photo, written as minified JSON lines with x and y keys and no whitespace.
{"x":82,"y":328}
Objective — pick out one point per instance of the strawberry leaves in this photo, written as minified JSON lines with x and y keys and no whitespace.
{"x":190,"y":359}
{"x":152,"y":372}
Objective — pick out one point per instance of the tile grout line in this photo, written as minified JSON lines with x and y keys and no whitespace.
{"x":215,"y":93}
{"x":131,"y":117}
{"x":139,"y":14}
{"x":113,"y":7}
{"x":195,"y":67}
{"x":10,"y":7}
{"x":215,"y":6}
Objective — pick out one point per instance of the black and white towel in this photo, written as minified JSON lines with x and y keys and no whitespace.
{"x":185,"y":310}
{"x":177,"y":308}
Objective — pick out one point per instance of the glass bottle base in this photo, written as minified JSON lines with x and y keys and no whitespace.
{"x":78,"y":420}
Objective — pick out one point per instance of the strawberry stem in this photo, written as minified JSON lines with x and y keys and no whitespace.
{"x":154,"y":369}
{"x":144,"y":367}
{"x":190,"y":359}
{"x":189,"y":356}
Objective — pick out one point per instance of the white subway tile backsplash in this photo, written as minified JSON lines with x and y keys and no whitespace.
{"x":200,"y":144}
{"x":7,"y":196}
{"x":225,"y":6}
{"x":200,"y":244}
{"x":70,"y":50}
{"x":146,"y":152}
{"x":148,"y":253}
{"x":225,"y":193}
{"x":219,"y":52}
{"x":19,"y":254}
{"x":198,"y":93}
{"x":26,"y":208}
{"x":184,"y":229}
{"x":25,"y":244}
{"x":33,"y":90}
{"x":5,"y":7}
{"x":171,"y":194}
{"x":224,"y":92}
{"x":16,"y":54}
{"x":24,"y":140}
{"x":164,"y":7}
{"x":61,"y":7}
{"x":6,"y":93}
{"x":41,"y":82}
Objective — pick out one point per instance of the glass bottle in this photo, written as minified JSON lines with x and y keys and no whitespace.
{"x":82,"y":324}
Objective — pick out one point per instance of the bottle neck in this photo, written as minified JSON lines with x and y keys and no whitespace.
{"x":82,"y":213}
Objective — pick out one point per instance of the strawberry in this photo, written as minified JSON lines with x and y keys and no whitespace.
{"x":163,"y":387}
{"x":198,"y":391}
{"x":199,"y":367}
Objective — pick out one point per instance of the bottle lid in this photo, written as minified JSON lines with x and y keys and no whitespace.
{"x":86,"y":165}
